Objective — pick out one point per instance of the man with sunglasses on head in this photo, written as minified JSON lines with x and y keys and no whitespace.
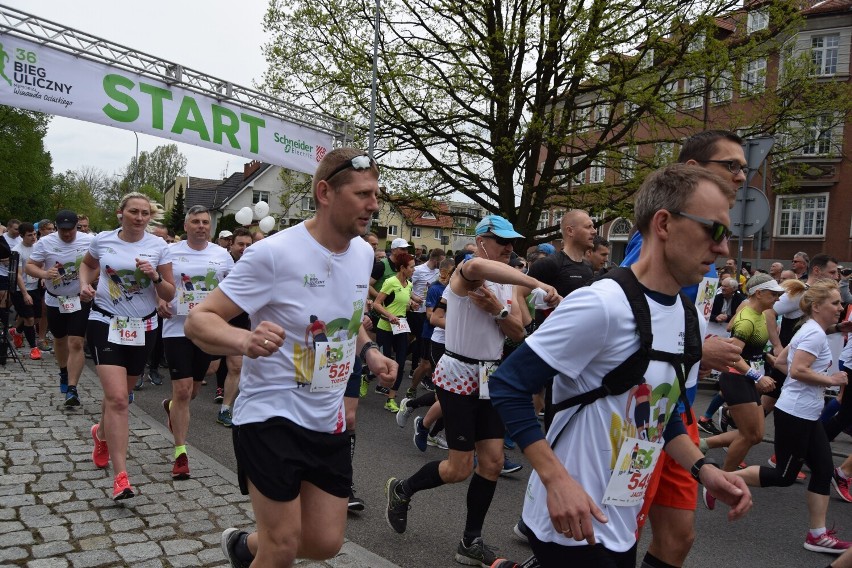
{"x":485,"y":298}
{"x":591,"y":471}
{"x":671,"y":505}
{"x":289,"y":418}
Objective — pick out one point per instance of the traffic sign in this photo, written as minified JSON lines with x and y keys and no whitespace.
{"x":750,"y":212}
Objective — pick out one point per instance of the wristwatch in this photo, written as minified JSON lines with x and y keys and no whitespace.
{"x":504,"y":313}
{"x":159,"y":278}
{"x":696,"y":467}
{"x":367,"y":346}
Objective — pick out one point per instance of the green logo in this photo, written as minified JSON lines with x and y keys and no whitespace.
{"x":4,"y":57}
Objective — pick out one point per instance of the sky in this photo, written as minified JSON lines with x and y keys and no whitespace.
{"x":221,"y":38}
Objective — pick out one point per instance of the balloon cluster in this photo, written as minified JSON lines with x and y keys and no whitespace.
{"x":261,"y":211}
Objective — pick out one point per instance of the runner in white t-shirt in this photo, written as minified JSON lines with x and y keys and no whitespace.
{"x":589,"y":487}
{"x":27,"y":297}
{"x":304,"y":289}
{"x":199,"y":266}
{"x":56,"y":259}
{"x":132,"y":271}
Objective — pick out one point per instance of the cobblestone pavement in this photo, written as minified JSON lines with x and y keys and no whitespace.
{"x":55,"y":505}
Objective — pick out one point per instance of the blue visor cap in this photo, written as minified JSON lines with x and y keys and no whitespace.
{"x":499,"y":226}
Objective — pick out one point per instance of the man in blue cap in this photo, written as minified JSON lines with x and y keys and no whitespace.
{"x":479,"y":317}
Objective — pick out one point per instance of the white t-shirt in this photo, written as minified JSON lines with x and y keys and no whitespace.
{"x":123,"y":289}
{"x":30,"y":282}
{"x":52,"y":250}
{"x":801,"y":399}
{"x":4,"y":266}
{"x":788,"y":306}
{"x":846,"y":354}
{"x":420,"y":280}
{"x":602,"y":333}
{"x":194,"y":270}
{"x":290,"y":279}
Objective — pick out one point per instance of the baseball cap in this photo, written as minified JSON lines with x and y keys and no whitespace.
{"x":498,"y":226}
{"x":66,"y":219}
{"x":770,"y":285}
{"x":547,"y":248}
{"x":399,"y":244}
{"x":225,"y":234}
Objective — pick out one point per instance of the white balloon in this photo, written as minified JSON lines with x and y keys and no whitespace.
{"x":267,"y":224}
{"x":261,"y":209}
{"x":243,"y":216}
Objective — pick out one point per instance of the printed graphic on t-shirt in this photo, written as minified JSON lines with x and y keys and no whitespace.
{"x":68,"y":273}
{"x":645,"y":415}
{"x":124,"y":285}
{"x":334,"y":337}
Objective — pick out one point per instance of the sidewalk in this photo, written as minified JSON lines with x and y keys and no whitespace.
{"x":55,"y":505}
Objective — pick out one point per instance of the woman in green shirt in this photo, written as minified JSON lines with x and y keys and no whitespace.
{"x":392,"y":303}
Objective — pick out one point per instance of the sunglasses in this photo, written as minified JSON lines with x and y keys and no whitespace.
{"x":357,"y":163}
{"x":499,"y":240}
{"x":718,"y":232}
{"x":733,"y":166}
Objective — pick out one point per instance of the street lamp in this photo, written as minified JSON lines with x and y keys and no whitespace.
{"x":375,"y":74}
{"x":136,"y":165}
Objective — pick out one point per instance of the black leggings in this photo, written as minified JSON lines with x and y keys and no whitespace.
{"x":843,"y":419}
{"x":399,"y":345}
{"x":553,"y":555}
{"x":799,"y":441}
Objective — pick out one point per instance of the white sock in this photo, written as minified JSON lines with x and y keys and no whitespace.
{"x":225,"y":407}
{"x":816,"y":532}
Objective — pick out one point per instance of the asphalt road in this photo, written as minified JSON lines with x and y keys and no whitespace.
{"x":771,"y":535}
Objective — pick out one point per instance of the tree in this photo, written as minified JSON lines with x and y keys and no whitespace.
{"x":76,"y":191}
{"x":507,"y":103}
{"x":25,"y":166}
{"x":175,"y":216}
{"x":157,"y":168}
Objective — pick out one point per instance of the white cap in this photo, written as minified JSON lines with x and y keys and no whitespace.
{"x":399,"y":244}
{"x":771,"y":285}
{"x":225,"y":234}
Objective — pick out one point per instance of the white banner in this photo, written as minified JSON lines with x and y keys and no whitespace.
{"x":41,"y":78}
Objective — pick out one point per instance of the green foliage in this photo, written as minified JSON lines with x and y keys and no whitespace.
{"x":506,"y":102}
{"x":227,"y":222}
{"x":175,"y":215}
{"x":25,"y":166}
{"x":157,"y":169}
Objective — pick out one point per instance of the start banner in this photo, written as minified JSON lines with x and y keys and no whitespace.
{"x":45,"y":79}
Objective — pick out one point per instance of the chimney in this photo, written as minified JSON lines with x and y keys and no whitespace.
{"x":250,"y":168}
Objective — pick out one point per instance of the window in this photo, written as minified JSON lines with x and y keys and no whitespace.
{"x":630,"y":108}
{"x":579,"y":177}
{"x":723,"y":87}
{"x":757,"y":20}
{"x":597,"y":172}
{"x":308,"y":204}
{"x":668,"y":95}
{"x":603,"y":72}
{"x":754,"y":76}
{"x":663,"y":153}
{"x":694,"y":89}
{"x":600,"y":114}
{"x":582,"y":118}
{"x":393,"y":230}
{"x":557,"y":216}
{"x":802,"y":216}
{"x":647,"y":60}
{"x":818,"y":137}
{"x":620,"y":229}
{"x":544,"y":220}
{"x":824,"y":54}
{"x":697,"y":43}
{"x":427,"y":215}
{"x":629,"y":163}
{"x":259,"y":196}
{"x":437,"y":234}
{"x":415,"y":232}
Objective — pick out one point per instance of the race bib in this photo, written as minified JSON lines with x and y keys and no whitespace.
{"x":401,"y":327}
{"x":126,"y":331}
{"x":333,"y":362}
{"x":69,"y":304}
{"x":632,"y":474}
{"x":188,"y":299}
{"x":485,"y":371}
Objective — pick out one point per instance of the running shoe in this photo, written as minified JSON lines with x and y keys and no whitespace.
{"x":404,"y":413}
{"x":35,"y":354}
{"x":411,"y":393}
{"x":355,"y":503}
{"x":230,"y":537}
{"x":427,"y":385}
{"x":44,"y":346}
{"x":220,"y":395}
{"x":130,"y":398}
{"x":365,"y":386}
{"x":17,"y":338}
{"x":438,"y":441}
{"x":421,"y":434}
{"x":841,"y":485}
{"x":381,"y":390}
{"x":772,"y":462}
{"x":709,"y":500}
{"x":180,"y":470}
{"x":508,"y":443}
{"x":522,"y":531}
{"x":509,"y":466}
{"x":155,"y":377}
{"x":826,"y":542}
{"x":167,"y":406}
{"x":100,"y":455}
{"x":225,"y":418}
{"x":477,"y":554}
{"x":63,"y":384}
{"x":707,"y":426}
{"x":397,"y":509}
{"x":121,"y":488}
{"x":71,"y":397}
{"x":391,"y":406}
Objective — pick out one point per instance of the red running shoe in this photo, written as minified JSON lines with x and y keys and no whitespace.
{"x":181,"y":468}
{"x":121,"y":488}
{"x":100,"y":455}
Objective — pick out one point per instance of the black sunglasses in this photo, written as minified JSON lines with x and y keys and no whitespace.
{"x":718,"y":232}
{"x":359,"y":163}
{"x":499,"y":240}
{"x":733,"y":166}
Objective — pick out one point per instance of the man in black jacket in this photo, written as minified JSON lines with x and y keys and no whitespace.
{"x":726,"y":303}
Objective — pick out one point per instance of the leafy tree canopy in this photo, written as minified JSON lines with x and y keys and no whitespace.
{"x":25,"y":166}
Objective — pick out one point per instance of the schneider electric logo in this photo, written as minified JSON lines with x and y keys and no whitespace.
{"x":298,"y":147}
